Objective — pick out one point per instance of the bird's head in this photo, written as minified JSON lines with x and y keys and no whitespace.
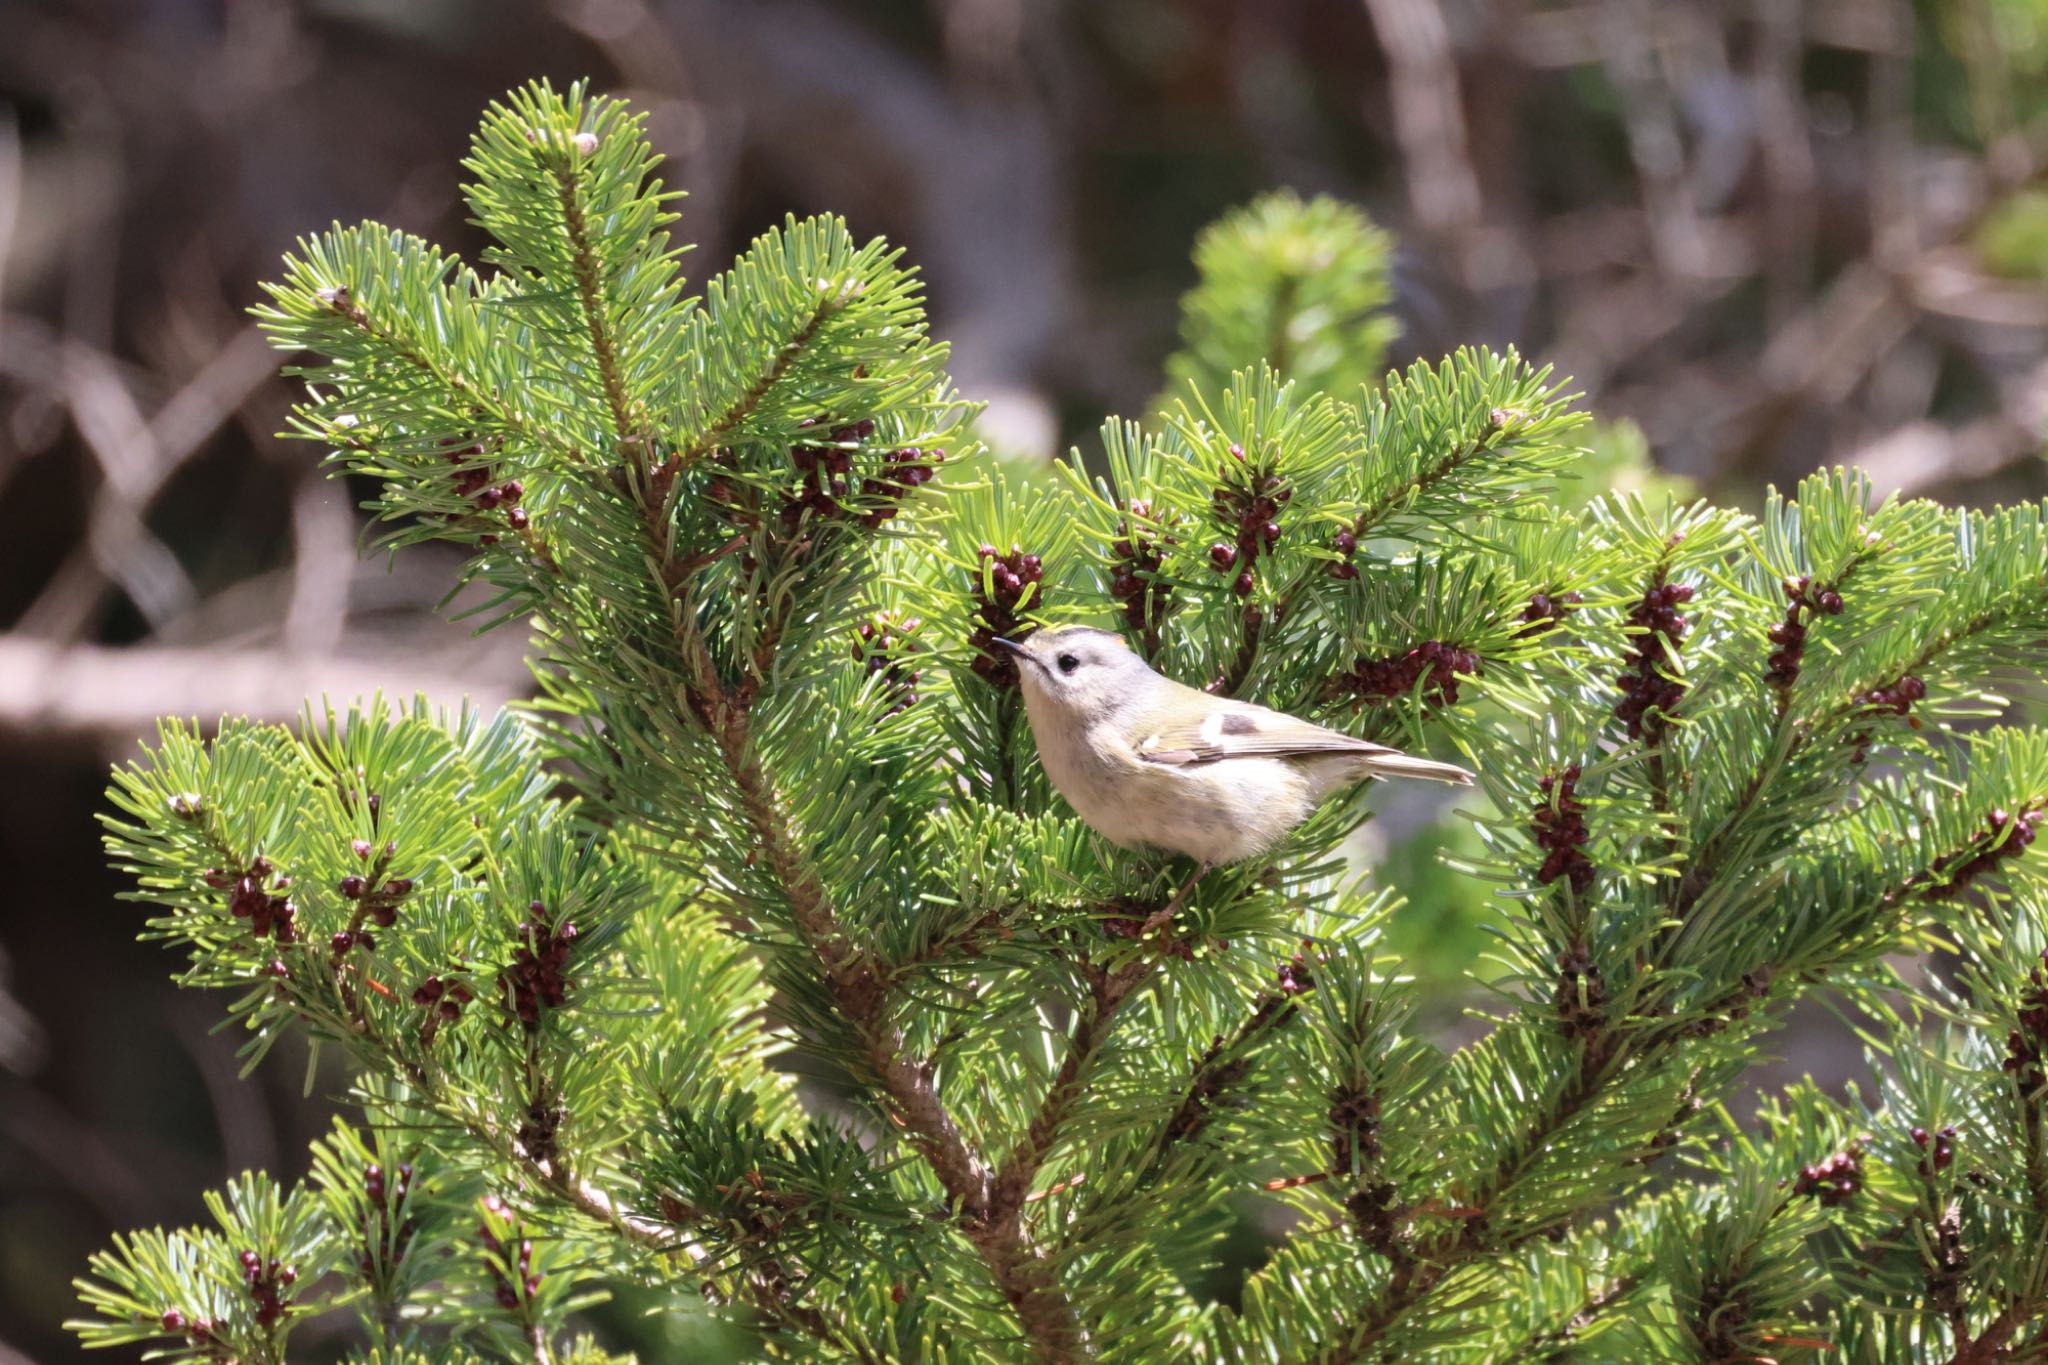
{"x":1079,"y":671}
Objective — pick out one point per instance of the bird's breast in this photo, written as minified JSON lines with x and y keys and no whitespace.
{"x":1216,"y":812}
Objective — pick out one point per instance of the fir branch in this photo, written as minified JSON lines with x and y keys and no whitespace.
{"x":858,"y":986}
{"x":627,"y":421}
{"x":1108,"y":990}
{"x":767,"y":1294}
{"x":1429,"y":472}
{"x":742,"y":408}
{"x":1557,"y":1343}
{"x":577,"y":1193}
{"x":1427,"y":1263}
{"x":1027,"y":1281}
{"x":860,"y":989}
{"x":867,"y":850}
{"x":1299,"y":285}
{"x":1220,"y":1068}
{"x":461,"y":391}
{"x":2015,"y":607}
{"x":1990,"y":1344}
{"x":1424,"y":1264}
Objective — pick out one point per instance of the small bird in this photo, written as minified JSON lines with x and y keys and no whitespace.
{"x":1147,"y":761}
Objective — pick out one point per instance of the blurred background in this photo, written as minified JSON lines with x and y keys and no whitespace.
{"x":1763,"y":235}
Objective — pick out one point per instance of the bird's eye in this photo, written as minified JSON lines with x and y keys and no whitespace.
{"x":1068,"y":663}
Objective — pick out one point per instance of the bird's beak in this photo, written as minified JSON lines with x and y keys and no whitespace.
{"x":1024,"y":656}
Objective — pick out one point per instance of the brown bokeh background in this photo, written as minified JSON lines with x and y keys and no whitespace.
{"x":1772,"y":233}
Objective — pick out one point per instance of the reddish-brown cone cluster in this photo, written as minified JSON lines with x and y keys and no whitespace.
{"x":1376,"y":1215}
{"x":1648,"y":697}
{"x":1246,"y":504}
{"x":267,"y":1282}
{"x":1559,"y":826}
{"x":825,"y":476}
{"x":1433,"y":665}
{"x":1293,"y":976}
{"x":535,"y":980}
{"x":825,"y":481}
{"x":496,"y":1217}
{"x":1897,"y":698}
{"x":1546,"y":610}
{"x":377,"y":897}
{"x":478,"y":482}
{"x":824,"y":473}
{"x":1010,"y":577}
{"x":198,"y":1334}
{"x":1345,"y":543}
{"x":1834,"y":1180}
{"x":443,"y":999}
{"x":2024,"y":1045}
{"x":1789,"y":635}
{"x":253,"y":896}
{"x":379,"y":904}
{"x":2005,"y":836}
{"x":537,"y":1130}
{"x":1940,"y":1149}
{"x":906,"y":469}
{"x":884,"y":645}
{"x":1133,"y":577}
{"x":384,"y":1199}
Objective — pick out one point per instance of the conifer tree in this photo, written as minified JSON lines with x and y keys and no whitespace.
{"x":775,"y":811}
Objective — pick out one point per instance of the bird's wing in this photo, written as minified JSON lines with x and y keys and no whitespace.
{"x":1219,"y":730}
{"x":1204,"y":730}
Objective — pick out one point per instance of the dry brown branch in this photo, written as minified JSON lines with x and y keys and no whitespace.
{"x":137,"y":457}
{"x":1429,"y":121}
{"x":1628,"y":39}
{"x":116,"y":694}
{"x":1791,"y":209}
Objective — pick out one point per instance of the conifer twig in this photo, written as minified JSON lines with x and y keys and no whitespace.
{"x":1108,"y":990}
{"x":1021,"y":1272}
{"x":854,"y":981}
{"x":1436,"y":1259}
{"x":460,"y":385}
{"x":1027,"y":1280}
{"x":743,"y":407}
{"x":627,"y":420}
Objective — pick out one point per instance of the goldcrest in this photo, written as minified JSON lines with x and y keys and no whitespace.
{"x":1149,"y":762}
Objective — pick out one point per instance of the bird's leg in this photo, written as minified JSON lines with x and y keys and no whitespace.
{"x":1160,"y":917}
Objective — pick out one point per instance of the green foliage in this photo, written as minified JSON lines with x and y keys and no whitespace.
{"x":1301,"y":286}
{"x":1617,"y":461}
{"x":776,"y":809}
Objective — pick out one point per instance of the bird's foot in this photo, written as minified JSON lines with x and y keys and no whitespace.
{"x":1161,"y":917}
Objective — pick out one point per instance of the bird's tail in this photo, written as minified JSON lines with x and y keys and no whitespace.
{"x":1393,"y":763}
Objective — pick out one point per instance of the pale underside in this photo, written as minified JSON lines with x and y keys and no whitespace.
{"x":1229,"y":789}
